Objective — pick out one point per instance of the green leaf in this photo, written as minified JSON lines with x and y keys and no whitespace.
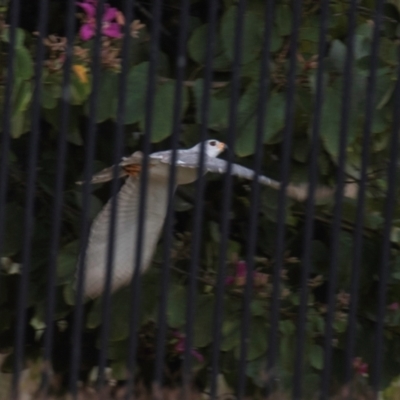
{"x":283,"y":19}
{"x":203,"y":324}
{"x":231,"y":333}
{"x":287,"y":327}
{"x":79,"y":91}
{"x":20,"y":124}
{"x":331,"y":122}
{"x":23,"y":63}
{"x":14,"y":228}
{"x":176,"y":307}
{"x":22,"y":95}
{"x":309,"y":30}
{"x":66,"y":262}
{"x":106,"y":96}
{"x":219,"y":106}
{"x":120,"y":312}
{"x":258,"y":338}
{"x":51,"y":90}
{"x":162,"y":121}
{"x":19,"y":36}
{"x":94,"y":316}
{"x":256,"y":370}
{"x":258,"y":307}
{"x":197,"y":49}
{"x":316,"y":356}
{"x":274,"y":122}
{"x":53,"y":117}
{"x":95,"y":203}
{"x":251,"y":40}
{"x":135,"y":93}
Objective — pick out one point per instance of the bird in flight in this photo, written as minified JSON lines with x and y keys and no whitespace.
{"x":125,"y":237}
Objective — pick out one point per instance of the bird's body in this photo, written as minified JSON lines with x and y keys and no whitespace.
{"x":128,"y":198}
{"x":125,"y":237}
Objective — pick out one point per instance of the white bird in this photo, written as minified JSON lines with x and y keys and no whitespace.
{"x":125,"y":237}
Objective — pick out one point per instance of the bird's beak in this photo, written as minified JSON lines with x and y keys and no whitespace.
{"x":222,"y":146}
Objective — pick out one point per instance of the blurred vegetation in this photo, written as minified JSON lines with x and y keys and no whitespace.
{"x":307,"y":63}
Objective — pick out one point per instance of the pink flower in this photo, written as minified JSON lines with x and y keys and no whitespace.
{"x":393,"y":306}
{"x":110,"y":26}
{"x":240,"y":276}
{"x":360,"y":367}
{"x":181,"y":345}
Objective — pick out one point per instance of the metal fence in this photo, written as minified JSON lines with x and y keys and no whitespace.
{"x":21,"y":162}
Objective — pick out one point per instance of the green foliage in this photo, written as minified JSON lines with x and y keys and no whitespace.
{"x":106,"y":112}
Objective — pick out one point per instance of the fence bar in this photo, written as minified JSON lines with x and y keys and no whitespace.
{"x":150,"y":95}
{"x":376,"y":372}
{"x":85,"y":225}
{"x":262,"y":115}
{"x":273,"y":342}
{"x":169,"y":223}
{"x":310,"y":206}
{"x":227,"y":191}
{"x":30,"y":204}
{"x":358,"y":229}
{"x":58,"y":197}
{"x":7,"y":110}
{"x":199,"y":204}
{"x":336,"y":225}
{"x":118,"y":152}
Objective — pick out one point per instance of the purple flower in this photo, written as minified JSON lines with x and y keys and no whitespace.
{"x":181,"y":345}
{"x":110,"y":26}
{"x":360,"y":367}
{"x":241,"y":272}
{"x":240,"y":277}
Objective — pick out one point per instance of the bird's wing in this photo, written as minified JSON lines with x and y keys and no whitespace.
{"x":125,"y":237}
{"x":128,"y":166}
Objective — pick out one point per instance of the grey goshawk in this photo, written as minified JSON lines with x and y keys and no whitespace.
{"x":125,"y":237}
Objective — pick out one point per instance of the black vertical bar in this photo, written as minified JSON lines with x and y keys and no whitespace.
{"x":358,"y":229}
{"x":227,"y":193}
{"x":168,"y":236}
{"x":150,"y":95}
{"x":6,"y":134}
{"x":90,"y":145}
{"x":199,"y":204}
{"x":30,"y":203}
{"x":273,"y":343}
{"x":336,"y":225}
{"x":237,"y":56}
{"x":118,"y":150}
{"x":58,"y":196}
{"x":385,"y":260}
{"x":212,"y":20}
{"x":310,"y":207}
{"x":264,"y":82}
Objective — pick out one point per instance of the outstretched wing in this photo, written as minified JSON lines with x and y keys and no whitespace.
{"x":125,"y":237}
{"x":128,"y":166}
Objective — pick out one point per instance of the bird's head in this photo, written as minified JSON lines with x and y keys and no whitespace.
{"x":212,"y":147}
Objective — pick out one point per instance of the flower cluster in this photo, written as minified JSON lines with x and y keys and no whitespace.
{"x":240,"y":277}
{"x":180,"y":347}
{"x":111,"y":23}
{"x":360,"y":367}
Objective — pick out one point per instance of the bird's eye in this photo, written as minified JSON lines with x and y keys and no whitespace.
{"x":213,"y":143}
